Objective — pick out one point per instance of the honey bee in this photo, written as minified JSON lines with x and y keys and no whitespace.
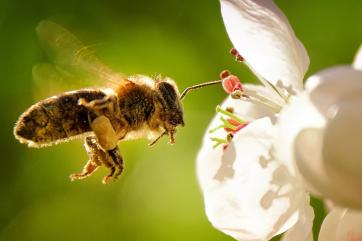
{"x":131,"y":107}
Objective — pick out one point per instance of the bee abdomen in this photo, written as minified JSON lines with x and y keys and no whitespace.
{"x":55,"y":119}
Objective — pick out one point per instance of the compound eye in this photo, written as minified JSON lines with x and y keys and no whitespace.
{"x":168,"y":93}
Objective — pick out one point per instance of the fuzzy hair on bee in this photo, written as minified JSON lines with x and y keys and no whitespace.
{"x":135,"y":107}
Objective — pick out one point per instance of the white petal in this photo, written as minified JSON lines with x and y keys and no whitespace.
{"x":300,"y":114}
{"x":319,"y":141}
{"x":357,"y":63}
{"x":342,"y":152}
{"x":329,"y":86}
{"x":263,"y":36}
{"x":246,"y":111}
{"x":302,"y":230}
{"x":342,"y":225}
{"x":350,"y":226}
{"x":248,"y":194}
{"x":330,"y":224}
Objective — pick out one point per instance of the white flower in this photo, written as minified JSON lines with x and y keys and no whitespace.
{"x":321,"y":130}
{"x":328,"y":147}
{"x":251,"y":186}
{"x":342,"y":225}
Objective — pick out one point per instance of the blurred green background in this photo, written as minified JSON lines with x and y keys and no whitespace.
{"x":157,"y":197}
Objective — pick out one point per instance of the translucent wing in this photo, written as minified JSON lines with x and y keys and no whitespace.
{"x":72,"y":59}
{"x":50,"y":79}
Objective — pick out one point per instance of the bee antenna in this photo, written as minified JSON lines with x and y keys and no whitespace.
{"x":198,"y":86}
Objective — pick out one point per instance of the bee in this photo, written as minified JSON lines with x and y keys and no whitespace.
{"x":131,"y":107}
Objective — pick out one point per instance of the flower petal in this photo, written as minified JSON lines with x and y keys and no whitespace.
{"x":300,"y":114}
{"x":357,"y":63}
{"x":245,"y":110}
{"x":329,"y":86}
{"x":342,"y":225}
{"x":248,"y":195}
{"x":350,"y":226}
{"x":302,"y":230}
{"x":342,"y":152}
{"x":320,"y":129}
{"x":330,"y":224}
{"x":263,"y":36}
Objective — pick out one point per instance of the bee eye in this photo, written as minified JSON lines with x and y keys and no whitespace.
{"x":168,"y":93}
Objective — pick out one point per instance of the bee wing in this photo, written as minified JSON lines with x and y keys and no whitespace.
{"x":71,"y":55}
{"x":50,"y":79}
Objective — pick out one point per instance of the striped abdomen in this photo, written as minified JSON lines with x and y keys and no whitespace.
{"x":55,"y":119}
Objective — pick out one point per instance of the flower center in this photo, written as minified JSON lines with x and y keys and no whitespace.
{"x":233,"y":86}
{"x":231,"y":125}
{"x":272,"y":96}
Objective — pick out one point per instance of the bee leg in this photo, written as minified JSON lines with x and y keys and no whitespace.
{"x":112,"y":160}
{"x":92,"y":165}
{"x":108,"y":102}
{"x":88,"y":169}
{"x":112,"y":170}
{"x":105,"y":133}
{"x":117,"y":160}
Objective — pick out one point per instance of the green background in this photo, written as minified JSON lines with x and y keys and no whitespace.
{"x":158,"y":197}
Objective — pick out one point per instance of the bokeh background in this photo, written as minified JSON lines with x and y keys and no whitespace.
{"x":158,"y":197}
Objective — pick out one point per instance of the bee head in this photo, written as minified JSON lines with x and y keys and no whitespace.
{"x":170,"y":99}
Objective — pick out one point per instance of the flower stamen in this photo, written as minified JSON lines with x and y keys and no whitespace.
{"x":231,"y":125}
{"x":266,"y":83}
{"x":237,"y":55}
{"x":219,"y":141}
{"x":230,"y":82}
{"x":233,"y":86}
{"x":229,"y":114}
{"x":256,"y":98}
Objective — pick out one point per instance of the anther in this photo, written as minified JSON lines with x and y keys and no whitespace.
{"x":230,"y":82}
{"x":236,"y":94}
{"x":233,"y":51}
{"x":224,"y":74}
{"x":229,"y":137}
{"x":239,"y":58}
{"x":230,"y":109}
{"x":237,"y":55}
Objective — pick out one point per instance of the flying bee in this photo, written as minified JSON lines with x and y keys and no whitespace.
{"x":132,"y":107}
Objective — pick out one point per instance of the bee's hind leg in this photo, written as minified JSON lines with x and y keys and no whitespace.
{"x":112,"y":160}
{"x":118,"y":161}
{"x":93,"y":163}
{"x":88,"y":169}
